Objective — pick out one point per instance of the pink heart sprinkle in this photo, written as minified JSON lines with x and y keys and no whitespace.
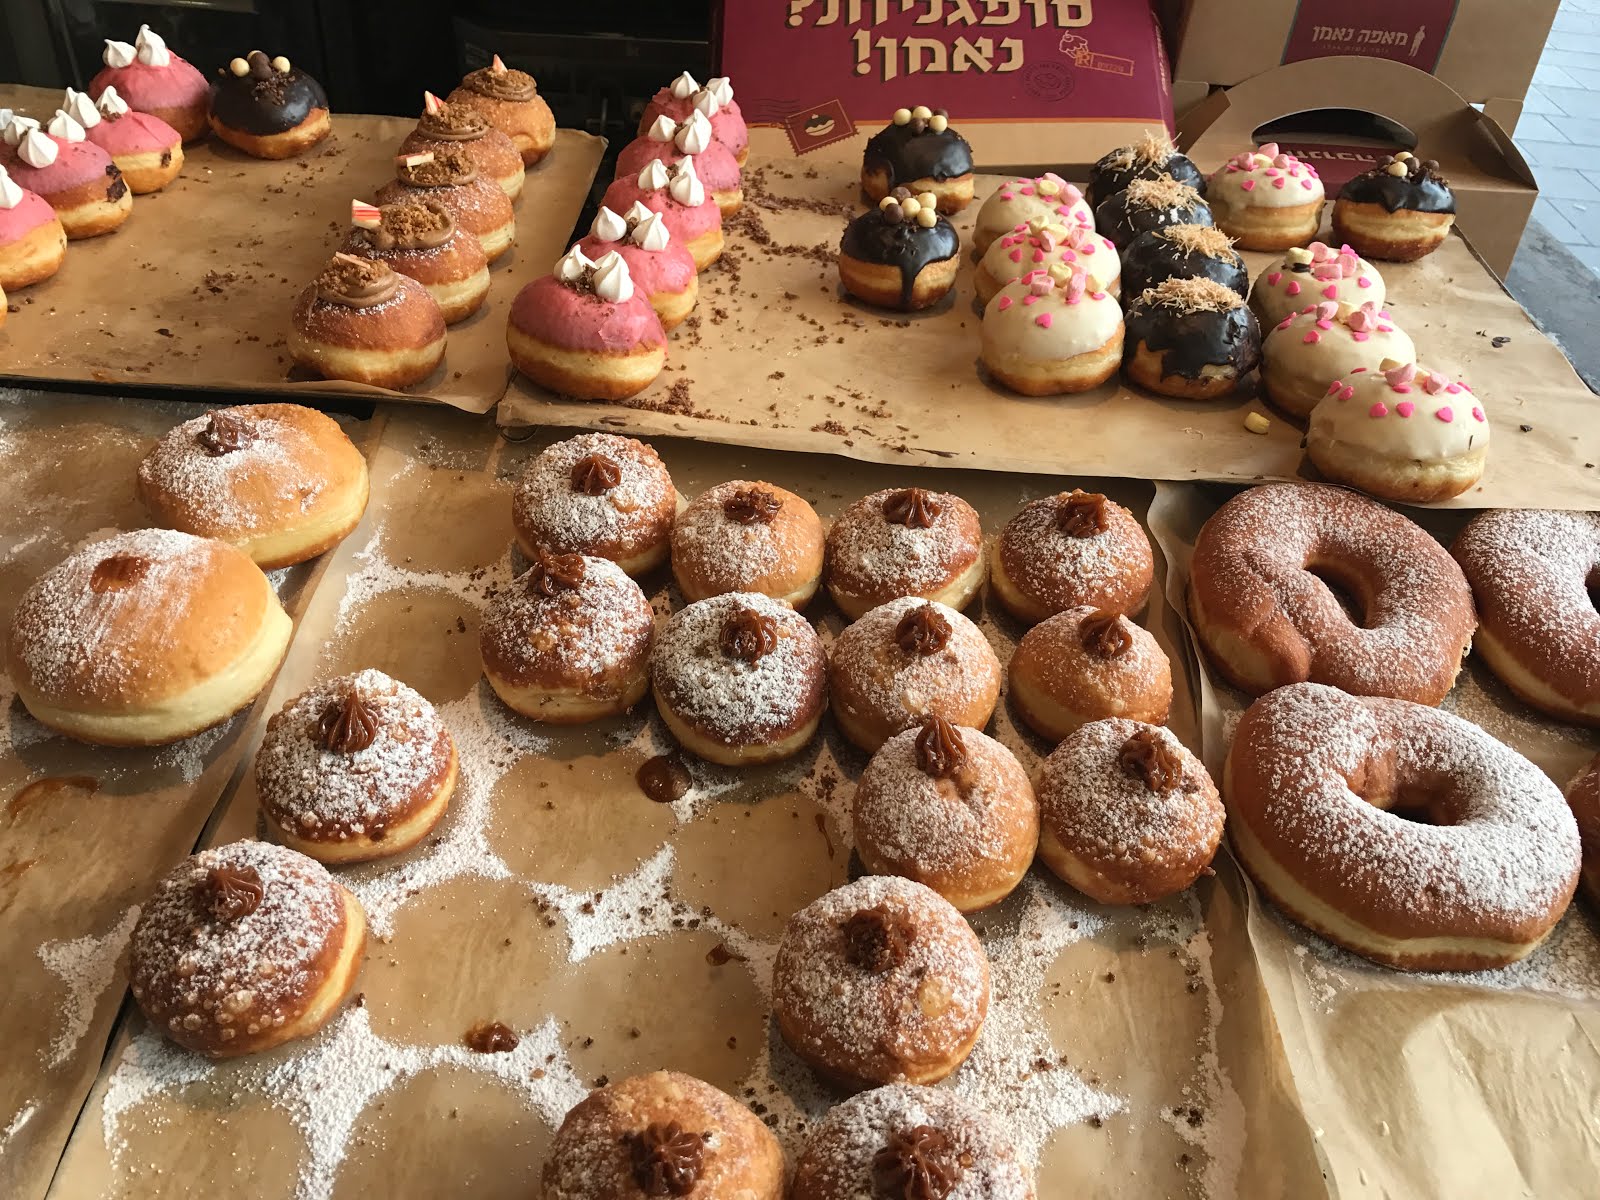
{"x":1030,"y":298}
{"x":1454,"y":388}
{"x":1402,"y":387}
{"x":1038,"y":256}
{"x":1360,"y":335}
{"x":1323,"y":324}
{"x":1331,"y":291}
{"x":1405,"y":408}
{"x":1248,"y":185}
{"x":1384,"y":313}
{"x":1042,"y":320}
{"x":1026,"y":191}
{"x":1378,"y":410}
{"x":1090,"y":248}
{"x":1005,"y":303}
{"x":1293,"y":289}
{"x":1016,"y":255}
{"x":1385,"y":328}
{"x":1477,"y":414}
{"x":1006,"y":196}
{"x":1363,"y":282}
{"x":1334,"y":386}
{"x":1445,"y":414}
{"x":1306,"y":183}
{"x":1357,"y":370}
{"x":1097,"y":295}
{"x":1311,"y":336}
{"x":1347,"y":393}
{"x":1278,"y":182}
{"x":1271,"y":173}
{"x":1285,"y":323}
{"x":1273,"y":277}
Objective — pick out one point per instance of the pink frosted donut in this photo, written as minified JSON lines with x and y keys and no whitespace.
{"x":158,"y":82}
{"x":82,"y":184}
{"x":582,"y":321}
{"x":32,"y":242}
{"x":683,"y":96}
{"x":670,"y":143}
{"x":691,"y":213}
{"x":134,"y":133}
{"x":661,"y":266}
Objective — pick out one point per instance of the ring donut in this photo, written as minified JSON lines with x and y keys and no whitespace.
{"x":1583,"y":795}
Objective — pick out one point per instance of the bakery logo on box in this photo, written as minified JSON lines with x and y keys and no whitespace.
{"x":818,"y":126}
{"x":1408,"y":31}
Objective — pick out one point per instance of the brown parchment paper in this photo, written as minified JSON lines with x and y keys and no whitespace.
{"x":617,"y":935}
{"x":775,"y":355}
{"x":196,"y":288}
{"x":84,"y":831}
{"x":1426,"y":1085}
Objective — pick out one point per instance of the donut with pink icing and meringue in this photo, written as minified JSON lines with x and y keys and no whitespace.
{"x":661,"y":266}
{"x":1266,"y":199}
{"x":586,"y":331}
{"x":1310,"y":274}
{"x":670,"y":141}
{"x":1038,"y":244}
{"x":147,"y":150}
{"x":1304,"y":353}
{"x":688,"y":207}
{"x":152,"y":79}
{"x":715,"y":101}
{"x":76,"y":178}
{"x":1015,"y":202}
{"x":1052,"y":332}
{"x":1403,"y":433}
{"x":32,"y":241}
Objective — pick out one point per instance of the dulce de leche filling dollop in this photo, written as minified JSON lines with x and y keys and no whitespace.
{"x":412,"y":225}
{"x":453,"y":123}
{"x":356,"y":282}
{"x":505,"y":84}
{"x":450,"y":166}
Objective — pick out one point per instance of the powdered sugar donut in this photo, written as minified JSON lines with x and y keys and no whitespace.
{"x":1304,"y":353}
{"x":1070,"y":549}
{"x":748,"y":536}
{"x":1017,"y":202}
{"x":1476,"y":871}
{"x":1306,"y":276}
{"x":1583,"y":795}
{"x":1086,"y":664}
{"x":1266,"y":199}
{"x":685,"y":204}
{"x":669,"y":142}
{"x":659,"y":265}
{"x":1050,"y":333}
{"x":1040,"y":245}
{"x":904,"y":542}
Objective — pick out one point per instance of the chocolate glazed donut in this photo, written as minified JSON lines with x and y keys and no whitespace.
{"x":903,"y":244}
{"x":906,"y":154}
{"x":1195,"y":327}
{"x":265,"y":101}
{"x":1182,"y":252}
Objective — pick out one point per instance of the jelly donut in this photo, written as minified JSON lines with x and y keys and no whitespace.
{"x":1532,"y":573}
{"x":950,"y":808}
{"x":1266,"y":199}
{"x":362,"y":322}
{"x":1303,"y":354}
{"x":1308,"y":275}
{"x":1048,"y":198}
{"x":450,"y":177}
{"x":355,"y":769}
{"x":1191,"y":339}
{"x":904,"y":1140}
{"x":32,"y":242}
{"x":74,"y":176}
{"x":1399,"y":211}
{"x":908,"y":660}
{"x":245,"y":947}
{"x":586,"y":331}
{"x":281,"y":482}
{"x":569,"y":640}
{"x":918,"y":150}
{"x":880,"y":981}
{"x":689,"y":210}
{"x":715,"y":101}
{"x":1270,"y":573}
{"x":597,"y":494}
{"x":443,"y":125}
{"x":267,"y":107}
{"x":1151,"y":157}
{"x":1583,"y":796}
{"x":1402,"y":433}
{"x":1126,"y":814}
{"x":1072,"y":549}
{"x":739,"y":679}
{"x":905,"y":542}
{"x":748,"y":536}
{"x":1042,"y":246}
{"x":1182,"y":252}
{"x":511,"y":101}
{"x":1147,"y":204}
{"x":670,"y":141}
{"x":1086,"y":664}
{"x":1404,"y":834}
{"x":154,"y":80}
{"x":660,"y":266}
{"x":901,"y":254}
{"x":1052,"y":333}
{"x":145,"y":638}
{"x":147,"y":150}
{"x":662,"y":1134}
{"x":421,"y":240}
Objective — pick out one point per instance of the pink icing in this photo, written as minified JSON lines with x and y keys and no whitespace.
{"x":683,"y":222}
{"x":77,"y":164}
{"x":1293,"y":289}
{"x":1378,"y":410}
{"x":176,"y":85}
{"x":1004,"y":303}
{"x":727,"y":123}
{"x":133,"y":133}
{"x":717,"y":168}
{"x":654,"y":272}
{"x":1273,"y":277}
{"x":1446,"y":414}
{"x":552,"y":312}
{"x":1405,"y":408}
{"x":27,"y":216}
{"x":1043,"y":320}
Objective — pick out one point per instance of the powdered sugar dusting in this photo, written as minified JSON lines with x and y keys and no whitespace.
{"x":548,"y":509}
{"x":888,"y":680}
{"x":215,"y":491}
{"x":86,"y":966}
{"x":871,"y":555}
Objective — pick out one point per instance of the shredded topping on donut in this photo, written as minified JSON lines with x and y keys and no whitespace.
{"x":232,"y":891}
{"x":226,"y":431}
{"x":1185,"y":296}
{"x":348,"y":725}
{"x":595,"y":474}
{"x":1200,"y":239}
{"x":1105,"y":635}
{"x":118,"y":572}
{"x":1083,"y":514}
{"x":877,"y":939}
{"x":1147,"y":756}
{"x":922,"y":631}
{"x":749,"y":506}
{"x":915,"y":508}
{"x":748,"y":634}
{"x":667,"y":1159}
{"x":1161,"y":192}
{"x":552,"y":573}
{"x":940,"y":751}
{"x":917,"y":1164}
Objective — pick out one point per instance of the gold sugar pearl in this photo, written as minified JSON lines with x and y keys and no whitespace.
{"x":239,"y":67}
{"x":938,"y":124}
{"x":922,"y":112}
{"x":927,"y":217}
{"x":280,"y":65}
{"x":1298,"y":255}
{"x":902,"y":116}
{"x":1404,"y":154}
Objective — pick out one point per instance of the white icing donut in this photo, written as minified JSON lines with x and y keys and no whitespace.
{"x":1311,"y":274}
{"x":1043,"y":334}
{"x":1304,"y":353}
{"x":1038,"y":245}
{"x":1264,"y":178}
{"x":1018,"y":201}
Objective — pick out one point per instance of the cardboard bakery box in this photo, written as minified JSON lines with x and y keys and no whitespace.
{"x":1485,"y":49}
{"x":1290,"y":105}
{"x":1039,"y":82}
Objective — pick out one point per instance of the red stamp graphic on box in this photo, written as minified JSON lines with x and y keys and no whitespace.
{"x":1412,"y":32}
{"x":817,"y":126}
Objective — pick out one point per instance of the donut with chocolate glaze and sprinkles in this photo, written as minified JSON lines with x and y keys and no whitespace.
{"x":1274,"y":568}
{"x":880,"y":981}
{"x":268,"y":107}
{"x":1303,"y":354}
{"x":905,"y":542}
{"x":363,"y":322}
{"x":1183,"y":252}
{"x":1151,"y":157}
{"x":1266,"y":199}
{"x":1191,"y":339}
{"x":1147,"y":204}
{"x":1051,"y":246}
{"x":1085,"y":665}
{"x":919,"y":150}
{"x":421,"y":240}
{"x":244,"y":947}
{"x":1308,"y":275}
{"x":1071,"y":549}
{"x":1399,"y":211}
{"x":448,"y":176}
{"x":1404,"y":834}
{"x":510,"y":99}
{"x":443,"y":125}
{"x":748,"y":535}
{"x":1047,"y":198}
{"x":1583,"y":796}
{"x":908,"y":1141}
{"x":901,"y":254}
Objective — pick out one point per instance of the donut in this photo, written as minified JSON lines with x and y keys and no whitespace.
{"x":905,"y":661}
{"x":1126,"y":814}
{"x":267,"y":107}
{"x":1071,"y":549}
{"x":1402,"y":833}
{"x":950,"y":808}
{"x":1266,"y":199}
{"x":688,"y":209}
{"x":443,"y":125}
{"x":449,"y":176}
{"x":155,"y":81}
{"x":74,"y":176}
{"x":660,"y":266}
{"x":355,"y":769}
{"x":919,"y":151}
{"x":1531,"y":573}
{"x":147,"y":150}
{"x":905,"y":542}
{"x":1182,"y":252}
{"x":1191,"y":339}
{"x":1308,"y":275}
{"x":1303,"y":354}
{"x":1403,"y":433}
{"x":569,"y":640}
{"x":880,"y":981}
{"x":1270,"y":575}
{"x":670,"y":141}
{"x":1040,"y":245}
{"x":1147,"y":204}
{"x":511,"y":101}
{"x":145,"y":638}
{"x":597,"y":494}
{"x":662,"y":1134}
{"x":1399,"y":211}
{"x":245,"y":947}
{"x":1048,"y":199}
{"x":33,"y":243}
{"x":1583,"y":796}
{"x":1052,"y":332}
{"x":901,"y":254}
{"x":281,"y":482}
{"x":1086,"y":664}
{"x":362,"y":322}
{"x":904,"y":1140}
{"x":739,"y":678}
{"x":586,"y":331}
{"x":715,"y":100}
{"x":421,"y":240}
{"x":1151,"y":157}
{"x":748,"y":536}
